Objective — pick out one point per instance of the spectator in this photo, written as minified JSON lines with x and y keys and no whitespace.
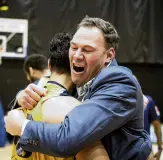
{"x":35,"y":67}
{"x":152,"y":116}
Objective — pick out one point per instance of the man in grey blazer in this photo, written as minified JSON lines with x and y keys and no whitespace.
{"x":112,"y":108}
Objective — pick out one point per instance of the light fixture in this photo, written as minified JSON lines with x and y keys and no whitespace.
{"x":3,"y":5}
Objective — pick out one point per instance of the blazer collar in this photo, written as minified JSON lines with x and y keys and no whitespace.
{"x":114,"y":63}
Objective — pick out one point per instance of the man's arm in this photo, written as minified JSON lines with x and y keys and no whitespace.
{"x":54,"y":111}
{"x":95,"y":151}
{"x":112,"y":102}
{"x":157,"y":129}
{"x":155,"y":119}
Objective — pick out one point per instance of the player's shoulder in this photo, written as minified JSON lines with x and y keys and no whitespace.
{"x":61,"y":101}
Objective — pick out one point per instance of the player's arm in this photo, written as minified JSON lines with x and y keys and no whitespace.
{"x":95,"y":151}
{"x":54,"y":111}
{"x":157,"y":128}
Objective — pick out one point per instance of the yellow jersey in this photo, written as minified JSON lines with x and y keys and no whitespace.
{"x":54,"y":90}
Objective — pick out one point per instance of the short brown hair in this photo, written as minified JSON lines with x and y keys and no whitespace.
{"x":110,"y":34}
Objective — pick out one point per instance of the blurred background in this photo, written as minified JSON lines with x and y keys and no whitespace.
{"x":138,"y":22}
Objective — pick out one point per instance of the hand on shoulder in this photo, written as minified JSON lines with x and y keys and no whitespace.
{"x":30,"y":96}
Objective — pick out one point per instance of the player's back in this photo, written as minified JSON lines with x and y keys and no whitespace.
{"x":47,"y":113}
{"x":53,"y":113}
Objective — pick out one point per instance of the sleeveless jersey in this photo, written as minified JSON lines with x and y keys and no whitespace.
{"x":54,"y":90}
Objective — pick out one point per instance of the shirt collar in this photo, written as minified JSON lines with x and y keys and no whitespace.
{"x":84,"y":89}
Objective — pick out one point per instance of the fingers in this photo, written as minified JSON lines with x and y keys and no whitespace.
{"x":25,"y":101}
{"x":14,"y":121}
{"x":29,"y":97}
{"x":6,"y":127}
{"x":27,"y":105}
{"x":38,"y":89}
{"x":19,"y":112}
{"x":45,"y":91}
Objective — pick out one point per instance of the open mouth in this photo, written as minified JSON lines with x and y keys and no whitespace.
{"x":78,"y":68}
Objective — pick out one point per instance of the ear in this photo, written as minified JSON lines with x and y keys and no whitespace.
{"x":110,"y":54}
{"x":31,"y":71}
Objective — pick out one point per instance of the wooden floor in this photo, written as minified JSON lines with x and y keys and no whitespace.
{"x":5,"y":152}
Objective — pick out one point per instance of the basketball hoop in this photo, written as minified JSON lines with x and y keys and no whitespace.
{"x":13,"y":37}
{"x":3,"y":42}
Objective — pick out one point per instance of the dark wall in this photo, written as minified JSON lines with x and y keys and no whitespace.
{"x":138,"y":22}
{"x":12,"y":80}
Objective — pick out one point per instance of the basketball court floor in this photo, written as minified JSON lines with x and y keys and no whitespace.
{"x":5,"y":152}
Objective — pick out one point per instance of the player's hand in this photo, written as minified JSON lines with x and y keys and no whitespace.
{"x":14,"y":122}
{"x":30,"y":96}
{"x":158,"y":155}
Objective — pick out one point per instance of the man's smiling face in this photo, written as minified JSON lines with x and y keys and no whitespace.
{"x":87,"y":54}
